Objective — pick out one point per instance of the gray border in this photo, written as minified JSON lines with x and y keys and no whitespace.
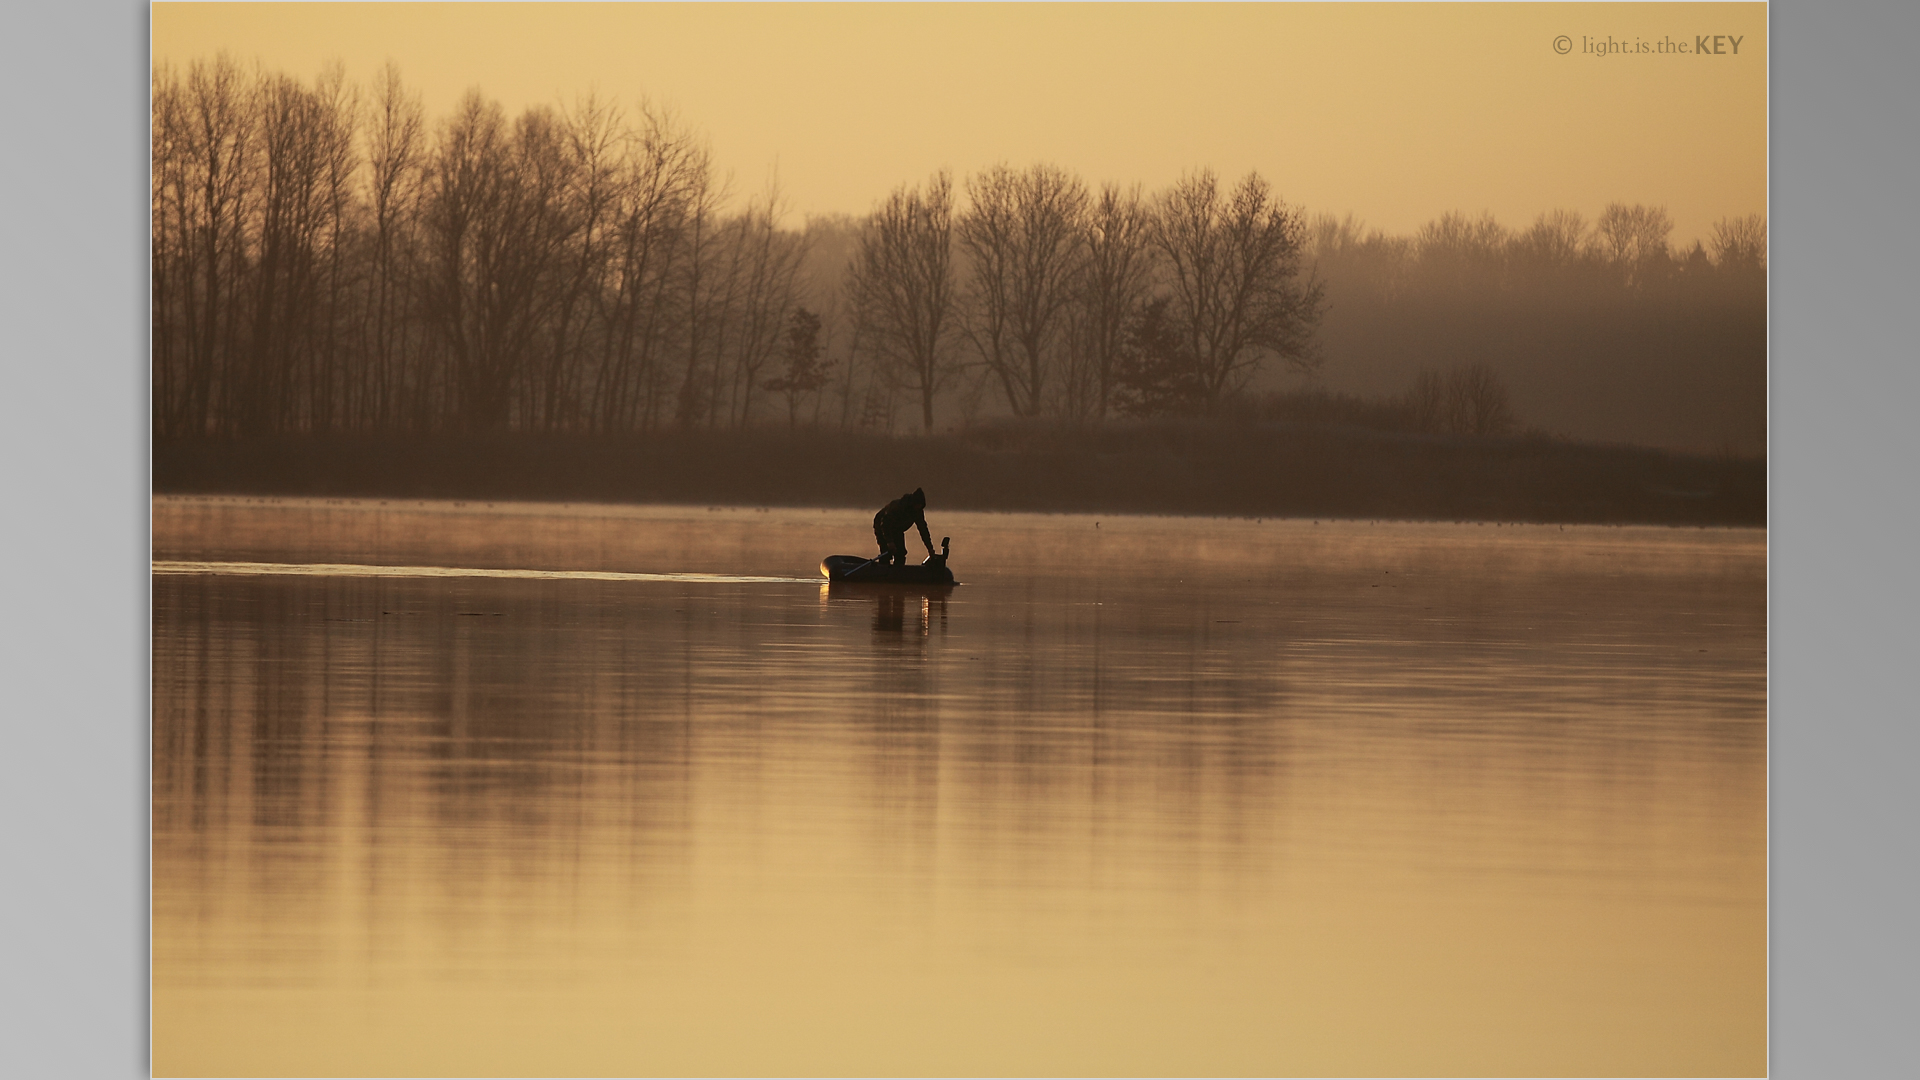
{"x":72,"y":380}
{"x":1844,"y":375}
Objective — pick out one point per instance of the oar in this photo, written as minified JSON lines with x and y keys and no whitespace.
{"x":859,"y":568}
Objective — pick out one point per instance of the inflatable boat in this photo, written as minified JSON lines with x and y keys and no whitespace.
{"x":855,"y":570}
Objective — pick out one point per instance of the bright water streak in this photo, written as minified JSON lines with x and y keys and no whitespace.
{"x":1146,"y":796}
{"x":351,"y":570}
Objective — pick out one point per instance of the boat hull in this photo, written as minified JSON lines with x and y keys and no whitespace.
{"x":855,"y":570}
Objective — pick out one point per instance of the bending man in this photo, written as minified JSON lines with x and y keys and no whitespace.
{"x":890,"y":527}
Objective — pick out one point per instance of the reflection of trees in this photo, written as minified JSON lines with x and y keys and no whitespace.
{"x":347,"y":771}
{"x":406,"y":747}
{"x":413,"y":747}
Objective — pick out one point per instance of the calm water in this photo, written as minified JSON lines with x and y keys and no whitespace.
{"x":1143,"y":795}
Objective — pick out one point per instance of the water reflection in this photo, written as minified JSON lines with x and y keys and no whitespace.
{"x":897,"y":609}
{"x":1204,"y":797}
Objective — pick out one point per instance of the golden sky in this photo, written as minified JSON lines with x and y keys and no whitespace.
{"x":1394,"y":112}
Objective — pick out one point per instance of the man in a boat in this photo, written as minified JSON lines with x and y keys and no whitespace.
{"x":890,"y":527}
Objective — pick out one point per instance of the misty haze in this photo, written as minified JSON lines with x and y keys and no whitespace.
{"x":1339,"y":648}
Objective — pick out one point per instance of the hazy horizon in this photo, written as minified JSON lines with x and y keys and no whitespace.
{"x":1357,"y":662}
{"x":1396,"y":113}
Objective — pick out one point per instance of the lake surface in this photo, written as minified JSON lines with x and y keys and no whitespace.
{"x":1142,"y":795}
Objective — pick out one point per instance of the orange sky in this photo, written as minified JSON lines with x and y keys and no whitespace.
{"x":1395,"y":112}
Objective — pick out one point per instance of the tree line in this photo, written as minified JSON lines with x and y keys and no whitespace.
{"x":324,"y":259}
{"x":1601,"y":327}
{"x":1623,"y":254}
{"x":327,"y":259}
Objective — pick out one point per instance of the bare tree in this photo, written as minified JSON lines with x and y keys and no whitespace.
{"x":172,"y":272}
{"x":770,"y":259}
{"x":831,"y":242}
{"x":1023,"y":235}
{"x":1359,"y":257}
{"x":1468,"y":400}
{"x":1740,"y":242}
{"x":206,"y":180}
{"x":1116,"y":274}
{"x":641,"y":310}
{"x":900,"y":286}
{"x":547,"y":260}
{"x":283,"y":280}
{"x":1455,"y":251}
{"x":1239,"y":293}
{"x":395,"y":155}
{"x":707,"y":286}
{"x":1634,"y":240}
{"x":583,"y":150}
{"x":464,"y":184}
{"x":1476,"y":402}
{"x":1553,"y":244}
{"x":496,"y":228}
{"x":1427,"y":401}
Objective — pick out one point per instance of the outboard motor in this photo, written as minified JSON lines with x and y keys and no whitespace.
{"x":940,"y":559}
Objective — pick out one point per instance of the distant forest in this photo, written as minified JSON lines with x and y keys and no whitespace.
{"x":326,"y":260}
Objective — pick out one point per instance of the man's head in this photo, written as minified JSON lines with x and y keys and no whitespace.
{"x":918,"y":498}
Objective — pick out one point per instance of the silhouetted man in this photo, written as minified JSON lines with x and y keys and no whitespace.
{"x":890,"y":526}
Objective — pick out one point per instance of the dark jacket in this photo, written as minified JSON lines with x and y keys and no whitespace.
{"x":895,"y":518}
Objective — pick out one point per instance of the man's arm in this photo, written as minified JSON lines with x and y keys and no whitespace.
{"x":925,"y":536}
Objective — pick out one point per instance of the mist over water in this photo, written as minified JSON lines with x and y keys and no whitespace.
{"x":1142,"y":795}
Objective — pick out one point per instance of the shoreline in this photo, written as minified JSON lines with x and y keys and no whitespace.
{"x":587,"y":508}
{"x":1173,"y":469}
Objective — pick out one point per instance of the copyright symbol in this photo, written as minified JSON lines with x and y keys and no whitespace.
{"x":1563,"y":44}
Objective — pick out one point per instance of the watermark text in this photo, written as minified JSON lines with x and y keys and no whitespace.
{"x":1698,"y":45}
